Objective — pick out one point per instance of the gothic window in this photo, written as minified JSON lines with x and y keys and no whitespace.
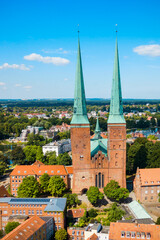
{"x":84,"y":146}
{"x":102,"y":180}
{"x":116,"y":155}
{"x":99,"y":175}
{"x":83,"y":177}
{"x":119,"y":146}
{"x":116,"y":163}
{"x":96,"y":181}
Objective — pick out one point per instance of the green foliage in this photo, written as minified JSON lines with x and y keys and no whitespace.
{"x":64,"y":135}
{"x":152,"y":137}
{"x":92,"y":213}
{"x":44,"y":181}
{"x":35,"y":139}
{"x":56,"y":186}
{"x":30,"y":153}
{"x":39,"y":154}
{"x":17,"y":155}
{"x":10,"y":226}
{"x":3,"y":164}
{"x":29,"y":188}
{"x":94,"y":195}
{"x":64,"y":159}
{"x":114,"y":192}
{"x":1,"y":233}
{"x":115,"y":213}
{"x":61,"y":234}
{"x":72,"y":200}
{"x":158,"y":221}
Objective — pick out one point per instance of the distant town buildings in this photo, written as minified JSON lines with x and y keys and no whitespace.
{"x":60,"y":128}
{"x":41,"y":207}
{"x":37,"y":169}
{"x":28,"y":130}
{"x":147,"y":184}
{"x":33,"y":228}
{"x":58,"y":147}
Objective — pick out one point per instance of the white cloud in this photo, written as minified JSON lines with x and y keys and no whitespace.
{"x":65,"y":79}
{"x":152,"y":50}
{"x":53,"y":60}
{"x":58,"y":51}
{"x":2,"y":84}
{"x":17,"y":85}
{"x":14,"y":66}
{"x":27,"y":87}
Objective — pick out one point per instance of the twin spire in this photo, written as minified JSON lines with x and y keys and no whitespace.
{"x":116,"y":106}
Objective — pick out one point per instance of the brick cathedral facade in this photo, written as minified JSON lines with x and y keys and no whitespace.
{"x":98,"y":160}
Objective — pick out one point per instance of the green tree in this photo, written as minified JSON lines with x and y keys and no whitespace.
{"x":29,"y":188}
{"x":94,"y":195}
{"x":44,"y":181}
{"x":152,"y":137}
{"x":10,"y":226}
{"x":17,"y":155}
{"x":39,"y":154}
{"x":51,"y":158}
{"x":61,"y":234}
{"x":72,"y":200}
{"x":64,"y":135}
{"x":64,"y":159}
{"x":56,"y":186}
{"x":30,"y":153}
{"x":115,"y":213}
{"x":158,"y":221}
{"x":92,"y":213}
{"x":3,"y":164}
{"x":114,"y":192}
{"x":1,"y":233}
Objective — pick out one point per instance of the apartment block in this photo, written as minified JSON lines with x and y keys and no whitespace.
{"x":133,"y":231}
{"x":18,"y":208}
{"x":32,"y":229}
{"x":147,"y":184}
{"x":37,"y":169}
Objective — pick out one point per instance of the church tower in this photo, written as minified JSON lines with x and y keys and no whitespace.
{"x":117,"y":129}
{"x":80,"y":133}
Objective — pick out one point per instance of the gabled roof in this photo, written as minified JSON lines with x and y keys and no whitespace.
{"x":98,"y":145}
{"x":149,"y":176}
{"x":93,"y":237}
{"x":69,"y":169}
{"x":25,"y":170}
{"x":3,"y":192}
{"x":76,"y":213}
{"x":26,"y":229}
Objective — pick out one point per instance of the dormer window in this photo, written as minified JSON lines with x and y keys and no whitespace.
{"x":81,"y":157}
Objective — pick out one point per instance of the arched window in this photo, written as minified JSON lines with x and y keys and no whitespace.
{"x":102,"y":180}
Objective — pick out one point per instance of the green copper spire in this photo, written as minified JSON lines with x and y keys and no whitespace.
{"x":97,"y":130}
{"x":79,"y":111}
{"x":116,"y":106}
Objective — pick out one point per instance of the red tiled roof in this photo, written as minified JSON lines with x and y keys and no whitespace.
{"x":69,"y":169}
{"x":25,"y":170}
{"x":76,"y":213}
{"x":3,"y":192}
{"x":93,"y":237}
{"x":117,"y":228}
{"x":149,"y":176}
{"x":26,"y":229}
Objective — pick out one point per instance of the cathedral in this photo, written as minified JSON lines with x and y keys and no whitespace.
{"x":98,"y":160}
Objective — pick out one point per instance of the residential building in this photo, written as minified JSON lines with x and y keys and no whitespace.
{"x":76,"y":233}
{"x":76,"y":214}
{"x":133,"y":231}
{"x":58,"y":147}
{"x":32,"y":229}
{"x":46,"y":207}
{"x":37,"y":169}
{"x":147,"y":184}
{"x":98,"y":160}
{"x":28,"y":130}
{"x":61,"y":128}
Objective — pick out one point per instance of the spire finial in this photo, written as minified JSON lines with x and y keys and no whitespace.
{"x":116,"y":28}
{"x":78,"y":30}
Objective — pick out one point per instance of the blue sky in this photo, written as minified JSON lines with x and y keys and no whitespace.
{"x":38,"y":44}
